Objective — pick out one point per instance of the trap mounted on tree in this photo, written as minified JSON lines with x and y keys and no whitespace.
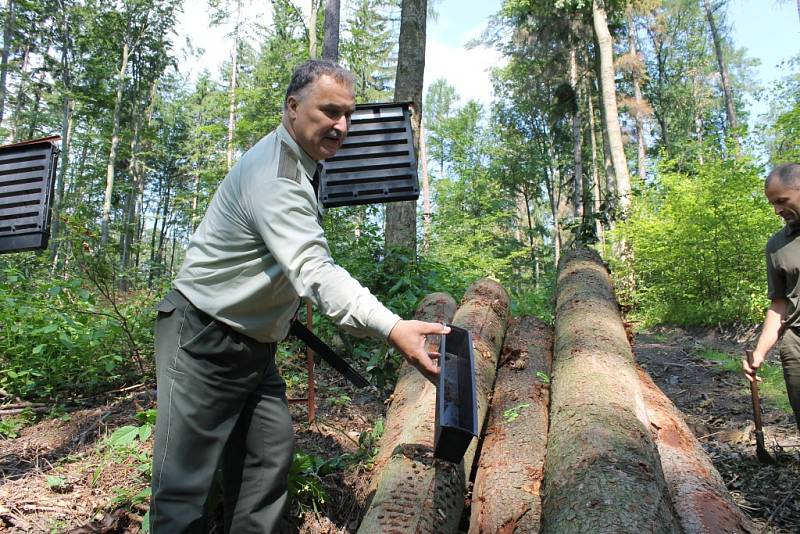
{"x":376,"y":163}
{"x":27,"y":179}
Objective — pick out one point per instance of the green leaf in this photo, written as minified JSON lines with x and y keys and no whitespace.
{"x":123,"y":436}
{"x":38,"y":349}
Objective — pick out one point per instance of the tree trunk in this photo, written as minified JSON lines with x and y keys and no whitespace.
{"x":577,"y":135}
{"x":603,"y":472}
{"x":21,"y":94}
{"x":730,"y":111}
{"x":507,"y":487}
{"x":312,"y":29}
{"x":8,"y":32}
{"x":232,"y":87}
{"x":426,"y":189}
{"x":330,"y":31}
{"x":406,"y":446}
{"x":401,"y":217}
{"x":596,"y":195}
{"x":68,"y":107}
{"x":112,"y":154}
{"x":641,"y":161}
{"x":698,"y":492}
{"x":415,"y":493}
{"x":609,"y":93}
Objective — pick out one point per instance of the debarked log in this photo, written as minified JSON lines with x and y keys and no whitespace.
{"x":698,"y":492}
{"x":414,"y":493}
{"x":602,"y":472}
{"x":506,"y":496}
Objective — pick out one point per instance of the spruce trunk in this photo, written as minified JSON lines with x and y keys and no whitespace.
{"x":698,"y":493}
{"x":603,"y":472}
{"x":413,"y":492}
{"x":507,"y":496}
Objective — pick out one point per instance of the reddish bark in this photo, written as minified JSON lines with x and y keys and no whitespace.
{"x":506,"y":496}
{"x":698,"y":493}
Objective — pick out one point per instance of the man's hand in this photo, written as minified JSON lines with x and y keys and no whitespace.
{"x":409,"y":338}
{"x":751,"y":368}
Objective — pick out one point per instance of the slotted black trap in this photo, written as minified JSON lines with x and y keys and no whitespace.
{"x":376,"y":162}
{"x":27,"y":178}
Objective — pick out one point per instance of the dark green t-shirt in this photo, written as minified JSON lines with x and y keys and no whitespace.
{"x":783,"y":271}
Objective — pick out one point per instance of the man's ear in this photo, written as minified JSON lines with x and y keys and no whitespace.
{"x":291,"y":106}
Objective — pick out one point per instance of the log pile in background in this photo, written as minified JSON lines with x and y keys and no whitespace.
{"x":412,"y":492}
{"x":603,"y":472}
{"x":698,"y":493}
{"x":506,"y":496}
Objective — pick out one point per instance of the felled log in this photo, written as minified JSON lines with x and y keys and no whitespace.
{"x":506,"y":496}
{"x":603,"y":472}
{"x":701,"y":501}
{"x":413,"y":492}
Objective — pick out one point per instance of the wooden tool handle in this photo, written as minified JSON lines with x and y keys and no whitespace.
{"x":754,"y":393}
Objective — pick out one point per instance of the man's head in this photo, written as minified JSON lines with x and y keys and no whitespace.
{"x":318,"y":105}
{"x":782,"y":188}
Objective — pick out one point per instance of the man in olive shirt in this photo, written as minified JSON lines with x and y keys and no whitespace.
{"x":259,"y":250}
{"x":783,"y":278}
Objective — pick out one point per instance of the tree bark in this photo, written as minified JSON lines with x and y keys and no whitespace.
{"x":426,"y":189}
{"x":232,"y":87}
{"x":112,"y":154}
{"x":698,"y":492}
{"x":730,"y":110}
{"x":511,"y":468}
{"x":312,"y":29}
{"x":401,"y":217}
{"x":68,"y":106}
{"x":596,"y":194}
{"x":330,"y":31}
{"x":415,"y":493}
{"x":603,"y":472}
{"x":641,"y":161}
{"x":406,"y":447}
{"x":609,"y":93}
{"x":577,"y":135}
{"x":8,"y":32}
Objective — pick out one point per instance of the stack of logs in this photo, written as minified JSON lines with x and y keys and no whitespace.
{"x":576,"y":438}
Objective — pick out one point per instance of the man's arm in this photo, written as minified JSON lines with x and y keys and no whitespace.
{"x":768,"y":337}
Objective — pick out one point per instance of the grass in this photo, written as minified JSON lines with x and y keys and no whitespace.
{"x":772,"y":386}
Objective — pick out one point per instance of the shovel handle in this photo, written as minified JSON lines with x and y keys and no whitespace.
{"x":754,"y":394}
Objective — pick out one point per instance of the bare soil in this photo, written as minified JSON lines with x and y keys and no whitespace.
{"x":70,"y":446}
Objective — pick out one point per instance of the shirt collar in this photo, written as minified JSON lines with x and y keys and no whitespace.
{"x":791,"y":229}
{"x":308,"y":163}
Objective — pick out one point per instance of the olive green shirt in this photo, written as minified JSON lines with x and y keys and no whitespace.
{"x":783,"y":271}
{"x":260,"y":248}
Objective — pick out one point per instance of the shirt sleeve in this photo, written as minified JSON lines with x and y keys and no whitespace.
{"x":776,"y":285}
{"x":286,"y":219}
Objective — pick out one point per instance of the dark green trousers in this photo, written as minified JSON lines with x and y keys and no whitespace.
{"x":790,"y":359}
{"x":221,"y":401}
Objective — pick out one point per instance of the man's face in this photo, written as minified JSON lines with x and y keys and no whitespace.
{"x":320,"y":117}
{"x":785,"y":199}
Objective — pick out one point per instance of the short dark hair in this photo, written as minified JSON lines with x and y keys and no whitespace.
{"x":310,"y":71}
{"x":788,"y":174}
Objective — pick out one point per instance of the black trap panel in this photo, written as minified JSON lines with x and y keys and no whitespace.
{"x":376,"y":162}
{"x":27,"y":177}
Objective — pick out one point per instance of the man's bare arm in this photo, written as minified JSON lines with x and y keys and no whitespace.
{"x":768,"y":337}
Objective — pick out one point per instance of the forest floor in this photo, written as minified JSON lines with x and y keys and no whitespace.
{"x":62,"y":474}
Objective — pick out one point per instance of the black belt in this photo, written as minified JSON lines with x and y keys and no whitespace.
{"x":326,"y":353}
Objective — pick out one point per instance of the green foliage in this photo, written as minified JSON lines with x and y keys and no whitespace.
{"x":697,"y":245}
{"x":10,"y":427}
{"x":305,"y":480}
{"x":513,"y":413}
{"x":63,"y":335}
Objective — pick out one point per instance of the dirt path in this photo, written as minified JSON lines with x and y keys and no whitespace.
{"x":716,"y":405}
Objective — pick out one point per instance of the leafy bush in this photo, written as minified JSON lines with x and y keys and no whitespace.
{"x":60,"y":335}
{"x":696,"y":245}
